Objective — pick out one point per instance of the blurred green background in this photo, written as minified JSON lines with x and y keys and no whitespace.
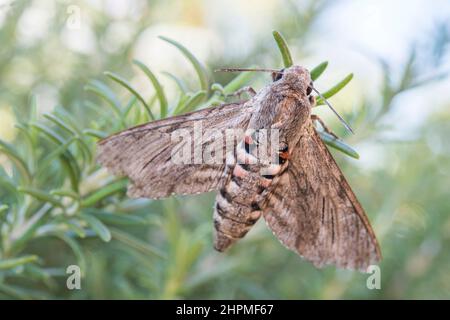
{"x":58,"y":208}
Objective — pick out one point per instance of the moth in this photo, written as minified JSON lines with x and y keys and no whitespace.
{"x":303,"y":197}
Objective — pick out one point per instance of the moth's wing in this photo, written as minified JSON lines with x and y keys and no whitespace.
{"x":144,"y":153}
{"x":313,"y":211}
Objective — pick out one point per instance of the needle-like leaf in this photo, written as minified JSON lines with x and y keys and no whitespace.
{"x":124,"y":83}
{"x":284,"y":49}
{"x":199,"y":69}
{"x":335,"y":89}
{"x":158,"y":87}
{"x":317,"y":71}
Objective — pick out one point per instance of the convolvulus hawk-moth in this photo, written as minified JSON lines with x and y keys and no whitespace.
{"x":303,"y":195}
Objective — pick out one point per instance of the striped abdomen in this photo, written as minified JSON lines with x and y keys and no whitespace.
{"x":236,"y":209}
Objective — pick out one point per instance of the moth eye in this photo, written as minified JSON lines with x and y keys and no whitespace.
{"x":309,"y":89}
{"x":247,"y":147}
{"x":283,"y":147}
{"x":277,"y":75}
{"x":283,"y":154}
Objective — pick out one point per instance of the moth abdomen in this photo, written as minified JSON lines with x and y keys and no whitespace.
{"x":234,"y":214}
{"x":232,"y":221}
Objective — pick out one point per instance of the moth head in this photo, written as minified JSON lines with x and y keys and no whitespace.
{"x":297,"y":77}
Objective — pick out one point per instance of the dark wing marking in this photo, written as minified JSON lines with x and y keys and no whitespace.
{"x":313,"y":211}
{"x":143,"y":153}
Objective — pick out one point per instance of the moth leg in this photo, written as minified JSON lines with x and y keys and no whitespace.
{"x":283,"y":153}
{"x":315,"y":117}
{"x":312,"y":100}
{"x":246,"y":89}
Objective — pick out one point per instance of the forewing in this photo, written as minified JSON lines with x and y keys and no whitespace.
{"x":143,"y":153}
{"x":313,"y":211}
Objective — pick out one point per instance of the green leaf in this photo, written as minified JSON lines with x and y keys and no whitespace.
{"x":14,"y":262}
{"x":95,"y":133}
{"x":31,"y":152}
{"x":158,"y":88}
{"x":65,"y":193}
{"x":58,"y":152}
{"x":76,"y":249}
{"x":87,"y":154}
{"x":191,"y":104}
{"x":212,"y":274}
{"x":99,"y":228}
{"x":427,"y":80}
{"x":199,"y":69}
{"x":408,"y":72}
{"x":36,"y":272}
{"x":284,"y":49}
{"x":103,"y":192}
{"x":317,"y":71}
{"x":335,"y":89}
{"x":76,"y":228}
{"x":136,"y":243}
{"x":338,"y":144}
{"x":96,"y":108}
{"x":60,"y":123}
{"x":130,"y":105}
{"x":180,"y":103}
{"x":68,"y":119}
{"x":9,"y":151}
{"x":104,"y":92}
{"x":237,"y":83}
{"x":8,"y":185}
{"x":33,"y":224}
{"x":15,"y":292}
{"x":40,"y":195}
{"x":33,"y":107}
{"x":68,"y":161}
{"x":120,"y":219}
{"x":124,"y":82}
{"x":180,"y":83}
{"x":48,"y":132}
{"x":79,"y":136}
{"x":217,"y":87}
{"x":3,"y":208}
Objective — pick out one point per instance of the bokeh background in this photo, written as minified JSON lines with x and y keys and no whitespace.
{"x":58,"y":208}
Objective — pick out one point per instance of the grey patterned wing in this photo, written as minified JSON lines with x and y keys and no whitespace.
{"x":144,"y":153}
{"x":313,"y":211}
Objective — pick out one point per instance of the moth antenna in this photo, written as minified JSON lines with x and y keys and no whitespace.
{"x":346,"y":125}
{"x":247,"y":69}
